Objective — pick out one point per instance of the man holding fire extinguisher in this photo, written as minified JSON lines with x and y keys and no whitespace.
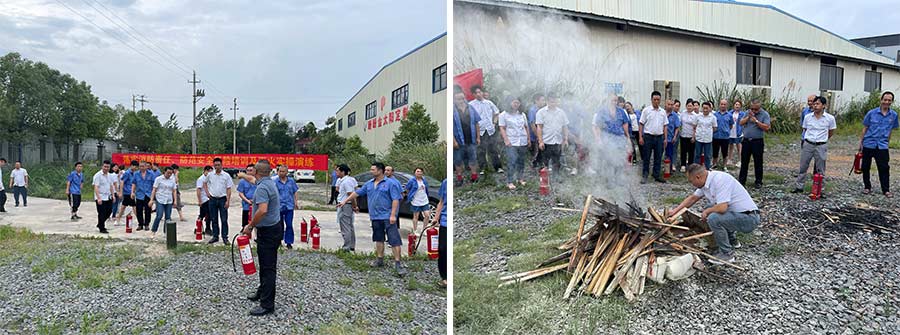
{"x":878,"y":125}
{"x":383,"y":196}
{"x":818,"y":128}
{"x":269,"y":232}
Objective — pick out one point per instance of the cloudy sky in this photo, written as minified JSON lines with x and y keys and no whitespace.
{"x":849,"y":19}
{"x":303,"y":59}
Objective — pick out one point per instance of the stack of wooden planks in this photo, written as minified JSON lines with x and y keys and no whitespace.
{"x":615,"y":249}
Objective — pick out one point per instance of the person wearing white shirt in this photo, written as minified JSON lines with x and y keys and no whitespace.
{"x":552,"y":133}
{"x":103,"y":196}
{"x":165,"y":197}
{"x":514,"y":129}
{"x":18,"y":180}
{"x":652,"y":136}
{"x":688,"y":120}
{"x":732,"y":210}
{"x":346,"y":186}
{"x":218,"y":187}
{"x":705,"y":125}
{"x":488,"y":112}
{"x":203,"y":200}
{"x":818,"y":127}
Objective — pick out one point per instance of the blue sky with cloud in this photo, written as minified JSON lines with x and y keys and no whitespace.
{"x":303,"y":59}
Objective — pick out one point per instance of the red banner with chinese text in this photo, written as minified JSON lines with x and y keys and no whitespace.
{"x":229,"y":161}
{"x":469,"y":79}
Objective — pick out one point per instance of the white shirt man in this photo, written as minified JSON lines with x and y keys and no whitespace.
{"x":104,"y":186}
{"x":722,"y":187}
{"x":346,"y":185}
{"x":486,"y":110}
{"x":654,"y":120}
{"x":218,"y":184}
{"x":203,"y":197}
{"x":817,"y":127}
{"x":704,"y":127}
{"x":688,"y":121}
{"x":553,"y":122}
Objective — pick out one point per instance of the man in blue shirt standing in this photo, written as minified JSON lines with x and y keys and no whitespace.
{"x":73,"y":189}
{"x":466,"y":137}
{"x":142,"y":187}
{"x":245,"y":191}
{"x":442,"y":232}
{"x":722,"y":136}
{"x":287,"y":192}
{"x":269,"y":232}
{"x":879,"y":124}
{"x":128,"y":179}
{"x":383,"y":196}
{"x":672,"y":130}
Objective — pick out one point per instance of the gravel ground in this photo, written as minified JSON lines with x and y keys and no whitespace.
{"x":141,"y":288}
{"x":804,"y":276}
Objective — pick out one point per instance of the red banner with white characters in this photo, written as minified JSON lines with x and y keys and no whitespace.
{"x":469,"y":79}
{"x":229,"y":161}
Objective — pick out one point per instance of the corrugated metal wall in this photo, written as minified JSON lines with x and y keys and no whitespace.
{"x":747,"y":22}
{"x":414,"y":69}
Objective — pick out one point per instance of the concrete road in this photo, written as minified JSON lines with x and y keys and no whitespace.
{"x":51,"y":216}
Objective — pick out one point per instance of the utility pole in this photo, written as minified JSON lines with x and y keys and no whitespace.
{"x":142,"y":100}
{"x":195,"y":96}
{"x":133,"y":103}
{"x":234,"y":127}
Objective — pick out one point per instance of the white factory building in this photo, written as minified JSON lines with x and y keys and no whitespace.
{"x":678,"y":46}
{"x":375,"y":111}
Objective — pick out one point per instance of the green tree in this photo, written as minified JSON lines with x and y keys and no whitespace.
{"x":416,"y":129}
{"x":141,"y":130}
{"x":254,"y":136}
{"x":353,"y":147}
{"x":174,"y":140}
{"x":211,"y":135}
{"x":327,"y":142}
{"x":278,"y":135}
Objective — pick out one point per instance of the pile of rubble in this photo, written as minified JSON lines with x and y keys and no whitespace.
{"x":619,"y":249}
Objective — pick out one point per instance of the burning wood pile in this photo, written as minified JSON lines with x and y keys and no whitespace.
{"x":619,"y":249}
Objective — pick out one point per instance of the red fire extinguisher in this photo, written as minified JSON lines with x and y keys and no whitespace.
{"x":243,"y":243}
{"x":315,"y":233}
{"x":545,"y":181}
{"x":303,"y":237}
{"x":198,"y":230}
{"x":128,"y":224}
{"x":433,"y":241}
{"x":411,"y":242}
{"x":817,"y":186}
{"x":857,"y":163}
{"x":668,"y":172}
{"x":629,"y":159}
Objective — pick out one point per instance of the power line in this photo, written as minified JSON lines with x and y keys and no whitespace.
{"x":117,"y":38}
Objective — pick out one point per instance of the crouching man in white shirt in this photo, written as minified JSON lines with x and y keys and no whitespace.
{"x":732,"y":208}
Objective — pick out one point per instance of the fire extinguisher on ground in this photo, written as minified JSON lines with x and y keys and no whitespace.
{"x":128,"y":224}
{"x":817,"y":186}
{"x":303,"y":237}
{"x":411,"y":242}
{"x":243,"y":243}
{"x":545,"y":181}
{"x":315,"y":232}
{"x":198,"y":230}
{"x":668,"y":171}
{"x":857,"y":163}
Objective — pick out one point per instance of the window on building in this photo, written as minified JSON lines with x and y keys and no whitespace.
{"x":340,"y":124}
{"x":439,"y":79}
{"x":351,"y":120}
{"x":873,"y":81}
{"x":371,"y":110}
{"x":754,"y":70}
{"x":831,"y":78}
{"x":400,"y":96}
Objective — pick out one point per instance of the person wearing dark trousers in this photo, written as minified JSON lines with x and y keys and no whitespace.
{"x":756,"y":123}
{"x":73,"y":189}
{"x":143,"y":186}
{"x":878,"y":124}
{"x":218,"y":185}
{"x":18,"y":180}
{"x":539,"y":102}
{"x":203,"y":200}
{"x":442,"y":232}
{"x":287,"y":191}
{"x":269,"y":232}
{"x":722,"y":136}
{"x":103,"y":195}
{"x":688,"y":121}
{"x":673,"y":128}
{"x":489,"y":149}
{"x":334,"y":187}
{"x":652,"y":135}
{"x":2,"y":190}
{"x":552,"y":133}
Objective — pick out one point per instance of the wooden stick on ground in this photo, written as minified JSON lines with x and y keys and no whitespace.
{"x":544,"y":271}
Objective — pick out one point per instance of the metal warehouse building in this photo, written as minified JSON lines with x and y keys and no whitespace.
{"x":375,"y":111}
{"x":676,"y":46}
